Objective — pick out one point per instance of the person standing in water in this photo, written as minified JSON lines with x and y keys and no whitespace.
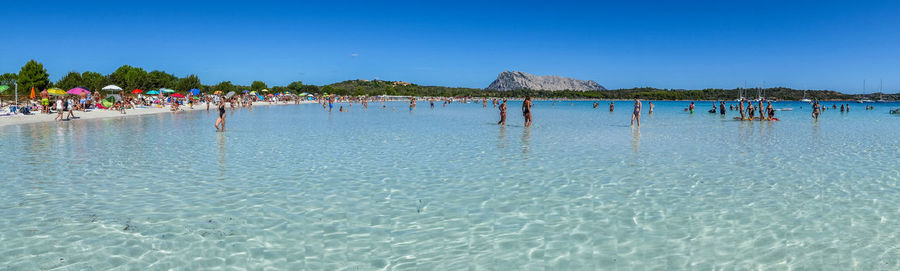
{"x":741,"y":109}
{"x":815,"y":113}
{"x":637,"y":112}
{"x":651,"y":107}
{"x":221,"y":119}
{"x":691,"y":107}
{"x":612,"y":105}
{"x":502,"y":113}
{"x":722,"y":108}
{"x":526,"y":111}
{"x":770,"y":110}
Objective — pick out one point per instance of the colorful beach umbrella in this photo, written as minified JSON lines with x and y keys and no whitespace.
{"x":230,"y":93}
{"x":74,"y":91}
{"x":56,"y":92}
{"x":177,"y":95}
{"x":265,"y":90}
{"x":194,"y":92}
{"x":32,"y":93}
{"x":153,"y":92}
{"x":111,"y":88}
{"x":3,"y":88}
{"x":217,"y":92}
{"x":246,"y":91}
{"x":166,"y":90}
{"x":253,"y":92}
{"x":136,"y":91}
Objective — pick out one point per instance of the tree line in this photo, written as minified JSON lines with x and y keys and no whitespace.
{"x":33,"y":74}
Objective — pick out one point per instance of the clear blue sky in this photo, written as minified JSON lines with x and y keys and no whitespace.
{"x":620,"y":44}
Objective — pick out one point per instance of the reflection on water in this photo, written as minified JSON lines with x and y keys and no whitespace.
{"x":636,"y":139}
{"x":296,"y":188}
{"x":526,"y":140}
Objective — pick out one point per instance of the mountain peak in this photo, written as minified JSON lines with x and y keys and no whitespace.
{"x":513,"y":80}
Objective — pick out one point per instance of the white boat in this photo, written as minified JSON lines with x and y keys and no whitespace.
{"x":805,"y":100}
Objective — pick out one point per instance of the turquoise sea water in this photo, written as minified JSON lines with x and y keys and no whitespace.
{"x":297,"y":188}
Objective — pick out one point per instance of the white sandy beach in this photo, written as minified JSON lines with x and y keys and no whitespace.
{"x":104,"y":113}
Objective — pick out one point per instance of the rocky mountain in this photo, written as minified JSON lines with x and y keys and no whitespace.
{"x":513,"y":80}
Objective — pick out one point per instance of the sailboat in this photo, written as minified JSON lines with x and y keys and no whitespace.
{"x":805,"y":100}
{"x":881,"y":92}
{"x":861,"y":100}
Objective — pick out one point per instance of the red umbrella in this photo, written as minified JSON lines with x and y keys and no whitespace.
{"x":177,"y":95}
{"x":136,"y":91}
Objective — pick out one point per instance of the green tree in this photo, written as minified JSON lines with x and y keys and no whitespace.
{"x":295,"y":86}
{"x":224,"y":87}
{"x":136,"y":78}
{"x":188,"y":83}
{"x":34,"y":75}
{"x":94,"y":81}
{"x":69,"y":81}
{"x":9,"y":79}
{"x":118,"y":76}
{"x":258,"y":85}
{"x":160,"y":79}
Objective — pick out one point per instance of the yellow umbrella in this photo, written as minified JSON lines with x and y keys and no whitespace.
{"x":217,"y":92}
{"x":56,"y":92}
{"x":265,"y":90}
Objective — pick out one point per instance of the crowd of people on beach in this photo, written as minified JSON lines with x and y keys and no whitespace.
{"x":65,"y":106}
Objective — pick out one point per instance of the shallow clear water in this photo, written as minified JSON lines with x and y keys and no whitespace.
{"x":293,"y":187}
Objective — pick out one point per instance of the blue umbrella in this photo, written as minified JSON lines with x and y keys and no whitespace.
{"x":195,"y":92}
{"x":246,"y":91}
{"x":153,"y":92}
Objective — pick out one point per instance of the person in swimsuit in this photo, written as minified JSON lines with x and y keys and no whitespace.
{"x":502,"y":114}
{"x":722,"y":108}
{"x":750,"y":111}
{"x":221,"y":118}
{"x":741,"y":109}
{"x":770,"y":110}
{"x":612,"y":105}
{"x":636,"y":115}
{"x":691,"y":107}
{"x":526,"y":111}
{"x":651,"y":108}
{"x":815,"y":113}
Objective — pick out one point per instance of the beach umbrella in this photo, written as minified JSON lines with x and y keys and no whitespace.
{"x":32,"y":93}
{"x":217,"y":92}
{"x":246,"y":91}
{"x":194,"y":92}
{"x":152,"y":92}
{"x":166,"y":90}
{"x":76,"y":91}
{"x":177,"y":95}
{"x":265,"y":90}
{"x":112,"y":88}
{"x":230,"y":93}
{"x":3,"y":88}
{"x":56,"y":92}
{"x":136,"y":91}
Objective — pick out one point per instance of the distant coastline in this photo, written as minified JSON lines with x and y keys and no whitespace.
{"x":33,"y":75}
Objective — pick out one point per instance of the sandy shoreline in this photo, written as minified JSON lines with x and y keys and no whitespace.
{"x":103,"y":113}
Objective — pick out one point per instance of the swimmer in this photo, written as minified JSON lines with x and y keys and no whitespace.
{"x":612,"y":106}
{"x":526,"y":111}
{"x":636,"y":115}
{"x":502,"y":113}
{"x":221,"y":119}
{"x":651,"y":108}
